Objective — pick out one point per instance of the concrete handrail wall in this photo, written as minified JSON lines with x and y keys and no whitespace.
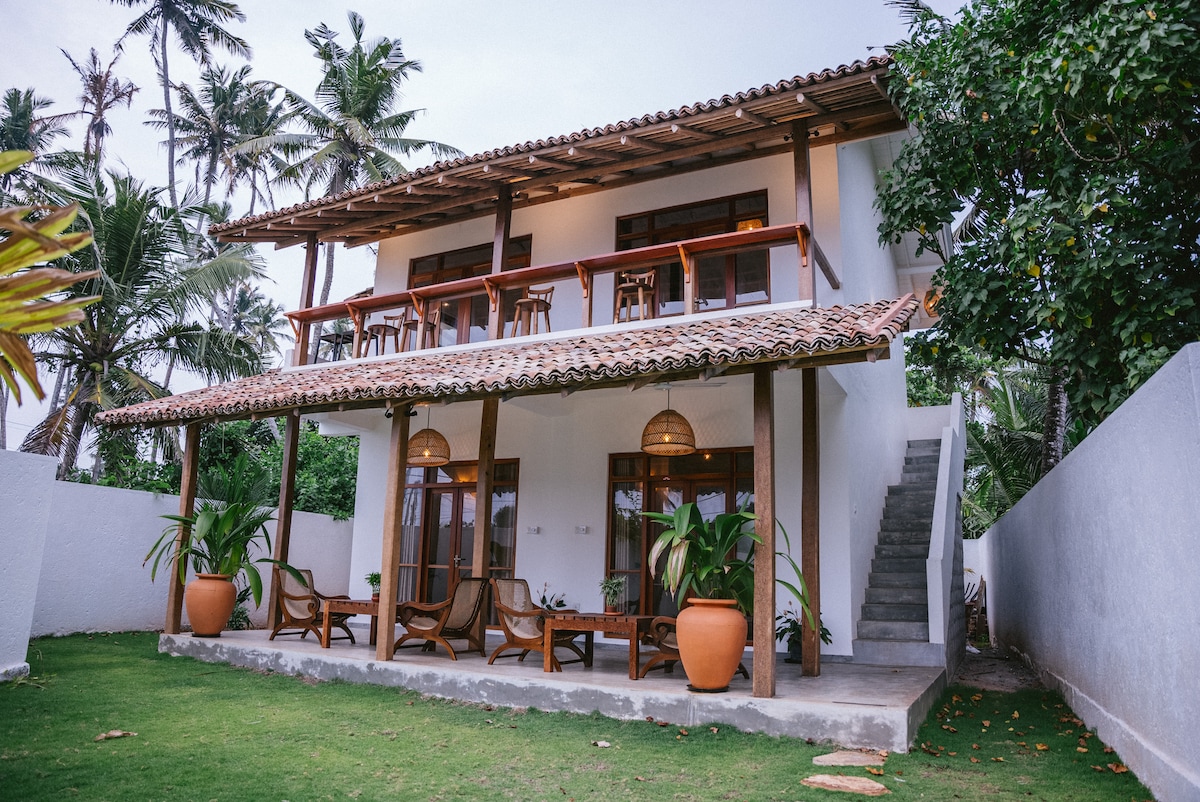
{"x":939,"y":566}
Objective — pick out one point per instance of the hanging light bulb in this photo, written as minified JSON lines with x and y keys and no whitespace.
{"x":428,"y":448}
{"x":668,"y":433}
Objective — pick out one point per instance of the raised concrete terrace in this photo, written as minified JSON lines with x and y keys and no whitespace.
{"x":877,"y":707}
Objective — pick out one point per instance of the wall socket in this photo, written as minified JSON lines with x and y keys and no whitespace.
{"x":533,"y":530}
{"x":581,"y":530}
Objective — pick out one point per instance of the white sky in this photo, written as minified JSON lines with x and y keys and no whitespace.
{"x":495,"y":73}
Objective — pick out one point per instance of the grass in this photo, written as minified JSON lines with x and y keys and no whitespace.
{"x":216,"y":732}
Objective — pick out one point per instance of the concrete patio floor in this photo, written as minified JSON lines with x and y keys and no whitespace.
{"x":878,"y":707}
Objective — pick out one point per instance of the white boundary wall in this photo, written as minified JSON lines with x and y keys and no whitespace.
{"x":1093,"y":576}
{"x":91,"y":577}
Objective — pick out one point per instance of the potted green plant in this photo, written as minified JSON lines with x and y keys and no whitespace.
{"x":789,"y":628}
{"x":219,"y":540}
{"x":374,"y":579}
{"x":612,"y":588}
{"x":702,"y":567}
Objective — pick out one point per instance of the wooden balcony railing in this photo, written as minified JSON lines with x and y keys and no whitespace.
{"x":585,"y":270}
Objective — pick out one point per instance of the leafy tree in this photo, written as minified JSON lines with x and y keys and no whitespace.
{"x":326,"y":472}
{"x":24,"y":128}
{"x":197,"y":26}
{"x":1068,"y":131}
{"x":102,"y":92}
{"x":352,"y":133}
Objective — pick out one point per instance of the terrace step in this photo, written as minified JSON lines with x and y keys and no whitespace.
{"x":897,"y":596}
{"x":893,"y":611}
{"x":893,"y":566}
{"x":902,"y":551}
{"x":896,"y":580}
{"x":894,"y":630}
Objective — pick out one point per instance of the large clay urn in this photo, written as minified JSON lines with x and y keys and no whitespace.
{"x":210,"y":599}
{"x":712,"y":637}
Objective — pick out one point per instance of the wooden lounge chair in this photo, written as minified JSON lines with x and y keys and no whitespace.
{"x":455,"y":618}
{"x":662,"y":635}
{"x":301,"y":609}
{"x":521,"y":620}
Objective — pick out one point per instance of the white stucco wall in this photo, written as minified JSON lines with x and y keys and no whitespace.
{"x":26,"y":481}
{"x":1093,"y":576}
{"x":90,"y":577}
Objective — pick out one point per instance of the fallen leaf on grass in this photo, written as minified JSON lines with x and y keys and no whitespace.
{"x":977,"y":697}
{"x":1041,"y":747}
{"x":873,"y":770}
{"x":949,"y":728}
{"x":683,"y":732}
{"x":640,"y":779}
{"x":974,"y":746}
{"x":1118,"y":768}
{"x":713,"y":730}
{"x":1108,"y":750}
{"x":1081,"y":749}
{"x":974,"y":759}
{"x":601,"y":744}
{"x":104,"y":736}
{"x":998,"y":759}
{"x":987,"y":723}
{"x":1098,"y":768}
{"x":662,"y":723}
{"x":1016,"y":714}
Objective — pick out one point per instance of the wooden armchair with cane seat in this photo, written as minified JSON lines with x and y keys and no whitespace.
{"x":457,"y":618}
{"x":302,"y":608}
{"x":662,"y":635}
{"x":522,"y":623}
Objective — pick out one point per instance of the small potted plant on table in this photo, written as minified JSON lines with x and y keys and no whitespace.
{"x":612,"y":588}
{"x":374,"y":580}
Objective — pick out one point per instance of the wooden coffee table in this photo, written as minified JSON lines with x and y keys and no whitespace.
{"x":354,"y":607}
{"x":629,"y":626}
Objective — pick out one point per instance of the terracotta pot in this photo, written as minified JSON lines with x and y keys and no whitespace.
{"x":612,"y":609}
{"x":712,"y":637}
{"x":210,"y":599}
{"x":374,"y":597}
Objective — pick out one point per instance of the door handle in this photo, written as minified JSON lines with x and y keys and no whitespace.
{"x":457,"y":560}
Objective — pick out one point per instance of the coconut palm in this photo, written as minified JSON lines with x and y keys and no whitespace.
{"x":352,"y":133}
{"x":24,"y":128}
{"x":151,"y":297}
{"x":197,"y":26}
{"x":102,"y":92}
{"x":261,"y":116}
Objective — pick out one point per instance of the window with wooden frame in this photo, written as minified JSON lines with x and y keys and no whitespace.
{"x":438,"y":527}
{"x":466,"y":319}
{"x":717,"y":481}
{"x":721,"y":281}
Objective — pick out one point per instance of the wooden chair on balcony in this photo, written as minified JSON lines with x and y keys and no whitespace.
{"x":392,"y":326}
{"x":662,"y":635}
{"x":456,"y":618}
{"x":522,"y":623}
{"x":635,"y":291}
{"x":535,"y":302}
{"x":302,"y":609}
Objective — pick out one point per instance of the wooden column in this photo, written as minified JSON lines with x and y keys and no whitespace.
{"x":287,"y":499}
{"x":307,"y":286}
{"x":481,"y":558}
{"x":803,"y":203}
{"x":764,"y":527}
{"x":499,"y":255}
{"x":393,"y":516}
{"x":810,"y":517}
{"x":187,"y":506}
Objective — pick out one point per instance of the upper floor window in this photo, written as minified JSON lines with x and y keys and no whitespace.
{"x":722,"y":281}
{"x":465,"y":320}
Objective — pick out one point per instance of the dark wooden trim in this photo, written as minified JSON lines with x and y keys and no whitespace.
{"x":287,"y":499}
{"x":764,"y":527}
{"x":308,"y":283}
{"x":484,"y":484}
{"x":810,"y":515}
{"x":187,"y":505}
{"x":393,"y":519}
{"x":803,"y":178}
{"x":500,"y":242}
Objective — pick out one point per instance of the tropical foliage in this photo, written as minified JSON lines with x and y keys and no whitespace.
{"x":702,"y":556}
{"x":1065,"y":133}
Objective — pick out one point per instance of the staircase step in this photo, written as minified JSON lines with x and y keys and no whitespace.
{"x":895,"y":612}
{"x":899,"y":522}
{"x":898,"y":596}
{"x":919,"y":477}
{"x":922,"y":459}
{"x":897,"y":580}
{"x":901,"y":551}
{"x":933,"y":443}
{"x":905,"y":537}
{"x":899,"y":653}
{"x":894,"y":630}
{"x":917,"y":508}
{"x":891,"y":566}
{"x":911,"y":491}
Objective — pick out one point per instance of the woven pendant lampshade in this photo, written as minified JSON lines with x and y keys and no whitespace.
{"x":428,"y":448}
{"x":668,"y":434}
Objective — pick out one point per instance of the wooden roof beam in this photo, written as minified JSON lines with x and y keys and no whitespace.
{"x":635,"y":141}
{"x":807,"y":102}
{"x":590,"y":153}
{"x":536,"y":161}
{"x":751,"y":117}
{"x":462,"y":180}
{"x":705,"y":136}
{"x":507,"y":171}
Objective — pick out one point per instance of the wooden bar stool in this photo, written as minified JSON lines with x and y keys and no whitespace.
{"x":391,"y":326}
{"x":635,"y":290}
{"x":536,"y":301}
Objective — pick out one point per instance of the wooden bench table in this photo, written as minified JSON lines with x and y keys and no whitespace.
{"x":353,"y":607}
{"x":629,"y":626}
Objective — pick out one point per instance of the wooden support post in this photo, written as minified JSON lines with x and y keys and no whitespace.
{"x":187,"y":506}
{"x":481,"y":557}
{"x":690,"y":282}
{"x":308,"y":285}
{"x":499,"y":256}
{"x":810,"y":517}
{"x":803,"y":180}
{"x":393,"y":519}
{"x":764,"y":527}
{"x":287,"y":499}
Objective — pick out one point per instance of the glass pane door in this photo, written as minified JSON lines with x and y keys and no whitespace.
{"x":450,"y":535}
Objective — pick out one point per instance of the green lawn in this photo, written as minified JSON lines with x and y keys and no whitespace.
{"x":214,"y":732}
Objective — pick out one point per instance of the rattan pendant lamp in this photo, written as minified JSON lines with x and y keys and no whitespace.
{"x":428,"y":448}
{"x":668,"y":434}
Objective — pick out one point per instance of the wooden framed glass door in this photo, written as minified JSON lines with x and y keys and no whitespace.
{"x":449,"y":540}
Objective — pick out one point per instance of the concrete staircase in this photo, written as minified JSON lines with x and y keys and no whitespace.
{"x":894,"y":626}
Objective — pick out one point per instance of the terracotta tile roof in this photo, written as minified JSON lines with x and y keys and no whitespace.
{"x":827,"y":335}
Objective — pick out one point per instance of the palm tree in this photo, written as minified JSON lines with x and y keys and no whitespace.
{"x":197,"y":26}
{"x":102,"y":92}
{"x":145,"y":318}
{"x":24,"y":128}
{"x":261,"y":116}
{"x":352,"y":133}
